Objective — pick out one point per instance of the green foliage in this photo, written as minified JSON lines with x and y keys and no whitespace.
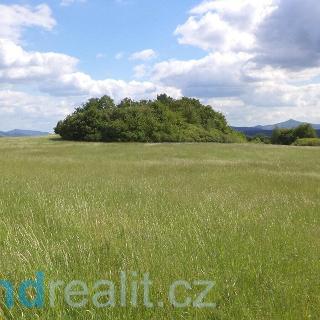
{"x":259,"y":138}
{"x":289,"y":136}
{"x":256,"y":140}
{"x":275,"y":138}
{"x":162,"y":120}
{"x":304,"y":131}
{"x":282,"y":136}
{"x":312,"y":142}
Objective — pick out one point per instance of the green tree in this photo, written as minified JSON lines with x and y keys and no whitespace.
{"x":275,"y":138}
{"x":162,"y":120}
{"x":305,"y":131}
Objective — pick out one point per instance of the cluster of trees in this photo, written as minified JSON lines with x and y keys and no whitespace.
{"x":161,"y":120}
{"x":290,"y":136}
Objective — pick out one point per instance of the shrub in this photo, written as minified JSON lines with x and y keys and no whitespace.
{"x":234,"y":137}
{"x":256,"y":140}
{"x":312,"y":142}
{"x":259,"y":138}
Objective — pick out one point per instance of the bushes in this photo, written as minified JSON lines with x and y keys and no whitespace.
{"x":162,"y":120}
{"x":312,"y":142}
{"x":259,"y":139}
{"x":289,"y":136}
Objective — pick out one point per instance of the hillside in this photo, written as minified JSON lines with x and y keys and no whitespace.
{"x":22,"y":133}
{"x":289,"y":124}
{"x":266,"y":130}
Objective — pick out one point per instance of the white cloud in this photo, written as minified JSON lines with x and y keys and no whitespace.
{"x":240,"y":114}
{"x":144,"y":55}
{"x":224,"y":25}
{"x":28,"y":111}
{"x":237,"y":10}
{"x":81,"y":84}
{"x":290,"y":37}
{"x":15,"y":18}
{"x":210,"y":32}
{"x":262,"y":59}
{"x":271,"y":102}
{"x":281,"y":33}
{"x":60,"y":89}
{"x":140,"y":71}
{"x":216,"y":75}
{"x":18,"y":65}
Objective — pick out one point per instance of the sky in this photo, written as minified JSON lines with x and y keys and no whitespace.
{"x":258,"y":62}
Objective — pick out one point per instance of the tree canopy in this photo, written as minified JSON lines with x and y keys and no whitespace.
{"x":289,"y":136}
{"x":161,"y":120}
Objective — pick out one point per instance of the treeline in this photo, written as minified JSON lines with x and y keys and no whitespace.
{"x":303,"y":135}
{"x":161,"y":120}
{"x":292,"y":136}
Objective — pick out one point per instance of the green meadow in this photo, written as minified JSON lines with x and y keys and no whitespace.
{"x":245,"y":216}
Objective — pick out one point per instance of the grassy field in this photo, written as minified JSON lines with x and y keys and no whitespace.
{"x":245,"y":216}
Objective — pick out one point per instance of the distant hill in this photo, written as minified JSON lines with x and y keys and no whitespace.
{"x":290,"y":124}
{"x":22,"y":133}
{"x":253,"y":131}
{"x":267,"y":129}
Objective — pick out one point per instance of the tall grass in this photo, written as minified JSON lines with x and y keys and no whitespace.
{"x":245,"y":216}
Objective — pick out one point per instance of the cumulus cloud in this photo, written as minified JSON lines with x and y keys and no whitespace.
{"x":241,"y":114}
{"x":15,"y":18}
{"x":140,"y":71}
{"x":42,"y":111}
{"x":271,"y":102}
{"x":81,"y":84}
{"x":144,"y":55}
{"x":28,"y":111}
{"x":226,"y":30}
{"x":18,"y":65}
{"x":260,"y":57}
{"x":290,"y":37}
{"x":216,"y":75}
{"x":281,"y":33}
{"x":224,"y":25}
{"x":59,"y":98}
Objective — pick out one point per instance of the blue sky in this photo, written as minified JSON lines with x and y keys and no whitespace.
{"x":108,"y":27}
{"x":258,"y":62}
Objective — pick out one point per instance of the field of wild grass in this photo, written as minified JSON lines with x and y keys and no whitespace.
{"x":245,"y":216}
